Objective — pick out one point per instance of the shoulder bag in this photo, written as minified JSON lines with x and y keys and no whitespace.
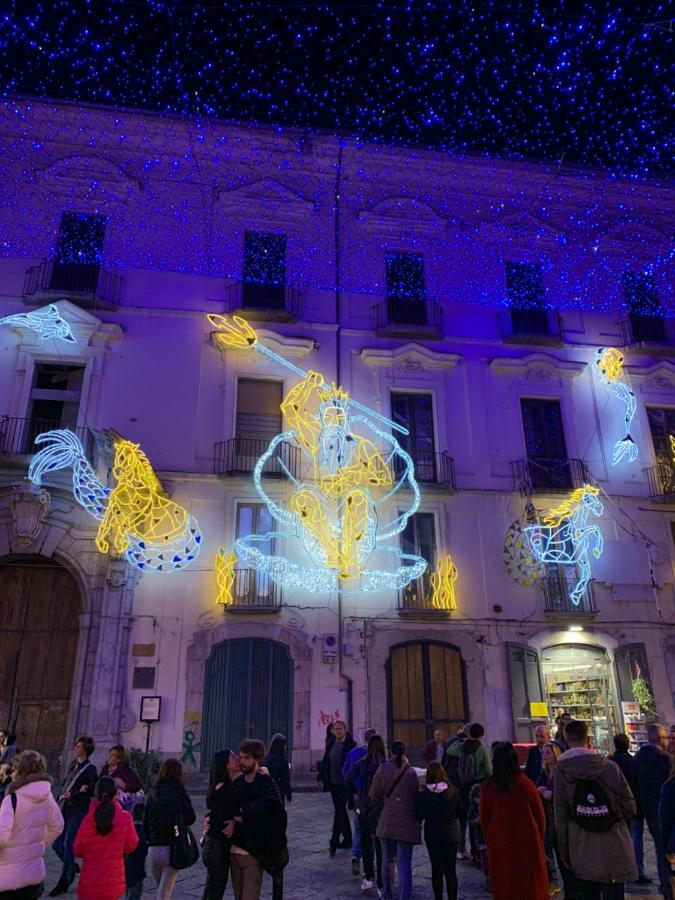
{"x":183,"y":846}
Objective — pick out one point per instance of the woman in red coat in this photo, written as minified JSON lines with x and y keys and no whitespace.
{"x":106,"y":834}
{"x":513,"y":823}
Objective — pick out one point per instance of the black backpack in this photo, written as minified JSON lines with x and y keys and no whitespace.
{"x":591,"y":809}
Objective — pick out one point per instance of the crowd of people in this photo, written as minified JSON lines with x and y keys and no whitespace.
{"x":570,"y":820}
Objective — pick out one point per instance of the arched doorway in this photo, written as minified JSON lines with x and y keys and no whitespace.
{"x":40,"y":607}
{"x":427,"y":690}
{"x":248,"y":693}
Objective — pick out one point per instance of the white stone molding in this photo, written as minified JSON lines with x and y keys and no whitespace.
{"x":267,"y":199}
{"x":658,"y":377}
{"x":388,"y":217}
{"x":29,"y":505}
{"x":411,"y":357}
{"x":537,"y":366}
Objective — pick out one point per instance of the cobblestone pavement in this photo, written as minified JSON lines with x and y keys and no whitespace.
{"x":312,"y":875}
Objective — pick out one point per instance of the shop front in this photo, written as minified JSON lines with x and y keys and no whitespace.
{"x":587,"y":680}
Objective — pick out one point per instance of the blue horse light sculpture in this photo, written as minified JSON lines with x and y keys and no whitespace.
{"x":566,"y":539}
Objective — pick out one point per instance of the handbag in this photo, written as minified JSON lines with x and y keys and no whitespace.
{"x":374,"y":808}
{"x":183,"y":846}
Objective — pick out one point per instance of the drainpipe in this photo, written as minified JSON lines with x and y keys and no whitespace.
{"x":344,"y":679}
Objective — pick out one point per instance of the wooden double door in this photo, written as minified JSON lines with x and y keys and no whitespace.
{"x":40,"y":606}
{"x":427,"y":691}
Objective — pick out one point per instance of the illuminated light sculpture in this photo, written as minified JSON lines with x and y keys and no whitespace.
{"x":609,"y":364}
{"x":334,"y":518}
{"x":48,"y":323}
{"x":518,"y":558}
{"x":225,"y":576}
{"x":137,"y":520}
{"x":565,"y":537}
{"x":442,"y":582}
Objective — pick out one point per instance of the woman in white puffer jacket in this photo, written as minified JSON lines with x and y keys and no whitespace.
{"x":30,"y":821}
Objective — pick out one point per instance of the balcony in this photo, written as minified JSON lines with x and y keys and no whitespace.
{"x":652,"y":334}
{"x":263,"y":302}
{"x":415,"y":599}
{"x":254,"y":591}
{"x":89,"y":286}
{"x":531,"y":326}
{"x":661,"y":480}
{"x":239,"y":456}
{"x":557,"y":604}
{"x":402,"y":317}
{"x":431,"y":467}
{"x":537,"y":475}
{"x":17,"y":436}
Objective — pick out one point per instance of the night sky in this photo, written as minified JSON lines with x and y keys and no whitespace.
{"x":587,"y":82}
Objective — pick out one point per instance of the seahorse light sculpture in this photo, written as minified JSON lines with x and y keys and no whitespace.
{"x":137,"y":520}
{"x":48,"y":323}
{"x":565,"y":538}
{"x":336,"y":517}
{"x":609,"y":365}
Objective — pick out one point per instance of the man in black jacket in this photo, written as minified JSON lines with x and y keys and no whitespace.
{"x":76,"y":793}
{"x":534,"y":764}
{"x":626,"y":763}
{"x":330,"y":773}
{"x":652,"y":764}
{"x":259,"y":831}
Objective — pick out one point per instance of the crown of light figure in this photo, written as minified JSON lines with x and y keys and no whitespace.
{"x":334,"y":395}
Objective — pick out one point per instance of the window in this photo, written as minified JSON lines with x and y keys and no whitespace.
{"x":264,"y":270}
{"x":662,"y":427}
{"x":645,"y":311}
{"x":54,"y":401}
{"x":419,"y":539}
{"x":253,"y":588}
{"x":405,"y":288}
{"x":525,"y":292}
{"x":79,"y":248}
{"x":258,"y":409}
{"x":415,"y":412}
{"x":548,"y":466}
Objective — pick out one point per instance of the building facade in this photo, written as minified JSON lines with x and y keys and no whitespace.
{"x":464,"y":299}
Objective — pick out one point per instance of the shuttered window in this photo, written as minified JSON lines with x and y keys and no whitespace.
{"x":258,"y":409}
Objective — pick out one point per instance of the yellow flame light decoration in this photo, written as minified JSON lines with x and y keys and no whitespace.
{"x":225,"y":575}
{"x":442,"y":582}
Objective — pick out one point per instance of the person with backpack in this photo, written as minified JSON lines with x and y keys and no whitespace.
{"x":395,"y":787}
{"x":359,"y":780}
{"x":437,"y":806}
{"x":103,"y":839}
{"x":168,"y":805}
{"x":468,"y":764}
{"x":30,"y":821}
{"x":512,"y":818}
{"x":593,"y":804}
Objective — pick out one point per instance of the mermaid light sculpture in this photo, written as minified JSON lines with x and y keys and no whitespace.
{"x":608,"y":365}
{"x":137,"y":520}
{"x":48,"y":323}
{"x":565,"y":538}
{"x":356,"y":467}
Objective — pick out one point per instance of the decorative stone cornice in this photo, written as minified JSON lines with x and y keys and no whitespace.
{"x":279,"y":202}
{"x":660,"y":376}
{"x":537,"y":366}
{"x":410,"y":357}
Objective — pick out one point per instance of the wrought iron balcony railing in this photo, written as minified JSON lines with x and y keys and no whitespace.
{"x":267,"y":299}
{"x":661,"y":480}
{"x":531,"y":326}
{"x":543,"y":475}
{"x":556,"y":588}
{"x":17,"y":436}
{"x":402,"y":315}
{"x":416,"y":597}
{"x":431,"y":467}
{"x":88,"y":285}
{"x":640,"y":329}
{"x":239,"y":456}
{"x":254,"y":591}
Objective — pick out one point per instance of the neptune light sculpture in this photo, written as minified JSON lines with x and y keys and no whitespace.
{"x":566,"y":538}
{"x":334,"y":515}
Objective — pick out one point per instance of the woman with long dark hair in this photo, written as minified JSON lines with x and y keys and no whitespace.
{"x":221,"y":808}
{"x":168,"y":805}
{"x":395,"y":783}
{"x":513,"y":822}
{"x":105,"y":836}
{"x":276,"y":763}
{"x":360,"y":779}
{"x":438,"y":807}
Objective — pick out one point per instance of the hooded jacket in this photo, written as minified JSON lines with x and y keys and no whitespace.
{"x":167,"y":805}
{"x":605,"y":856}
{"x":652,"y":765}
{"x":26,"y":834}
